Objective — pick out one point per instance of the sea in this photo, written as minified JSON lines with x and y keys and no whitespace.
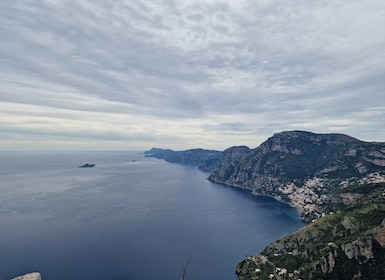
{"x":130,"y":217}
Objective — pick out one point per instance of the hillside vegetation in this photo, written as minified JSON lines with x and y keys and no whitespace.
{"x":348,"y":244}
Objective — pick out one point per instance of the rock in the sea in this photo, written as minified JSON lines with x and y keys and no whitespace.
{"x":29,"y":276}
{"x":87,"y":165}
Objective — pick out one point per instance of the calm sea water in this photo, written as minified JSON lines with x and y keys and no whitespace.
{"x":130,"y":217}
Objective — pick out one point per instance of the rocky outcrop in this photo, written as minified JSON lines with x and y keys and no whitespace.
{"x":30,"y":276}
{"x":87,"y":165}
{"x":361,"y":250}
{"x":328,"y":262}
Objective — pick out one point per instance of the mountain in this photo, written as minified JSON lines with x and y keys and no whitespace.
{"x":223,"y":159}
{"x":187,"y":157}
{"x":337,"y":183}
{"x":303,"y":169}
{"x":206,"y":160}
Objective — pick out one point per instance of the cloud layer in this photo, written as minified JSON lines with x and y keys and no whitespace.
{"x":183,"y":74}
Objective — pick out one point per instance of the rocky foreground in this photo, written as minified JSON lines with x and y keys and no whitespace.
{"x":29,"y":276}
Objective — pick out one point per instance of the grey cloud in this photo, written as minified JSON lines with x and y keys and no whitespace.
{"x":231,"y":128}
{"x":273,"y":65}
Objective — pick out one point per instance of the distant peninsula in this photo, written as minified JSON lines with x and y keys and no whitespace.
{"x":207,"y":160}
{"x":187,"y":157}
{"x":336,"y":182}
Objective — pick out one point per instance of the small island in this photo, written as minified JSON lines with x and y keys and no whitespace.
{"x":87,"y":165}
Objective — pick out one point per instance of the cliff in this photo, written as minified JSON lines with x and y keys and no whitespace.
{"x":221,"y":160}
{"x":304,"y":169}
{"x":337,"y":183}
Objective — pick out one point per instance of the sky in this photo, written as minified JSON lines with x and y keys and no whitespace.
{"x":179,"y":74}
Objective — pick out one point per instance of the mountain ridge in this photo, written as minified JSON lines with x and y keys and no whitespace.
{"x":295,"y":166}
{"x":186,"y":157}
{"x":336,"y":182}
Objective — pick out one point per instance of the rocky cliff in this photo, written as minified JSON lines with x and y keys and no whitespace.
{"x":348,"y":244}
{"x":223,"y":159}
{"x":29,"y":276}
{"x":336,"y":182}
{"x":304,"y":168}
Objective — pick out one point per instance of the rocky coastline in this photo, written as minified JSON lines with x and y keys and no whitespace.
{"x":337,"y":184}
{"x":306,"y":170}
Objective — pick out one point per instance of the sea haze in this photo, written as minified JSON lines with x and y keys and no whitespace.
{"x":129,"y":217}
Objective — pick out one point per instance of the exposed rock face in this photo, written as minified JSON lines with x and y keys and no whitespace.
{"x":360,"y":249}
{"x":30,"y":276}
{"x":328,"y":262}
{"x":301,"y":168}
{"x":223,"y":159}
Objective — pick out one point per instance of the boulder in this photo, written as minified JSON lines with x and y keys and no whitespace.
{"x":29,"y":276}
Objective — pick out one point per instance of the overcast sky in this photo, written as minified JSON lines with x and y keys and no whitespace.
{"x":134,"y":74}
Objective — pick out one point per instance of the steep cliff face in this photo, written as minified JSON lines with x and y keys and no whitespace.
{"x":223,"y":159}
{"x":346,"y":245}
{"x":295,"y":155}
{"x":302,"y":168}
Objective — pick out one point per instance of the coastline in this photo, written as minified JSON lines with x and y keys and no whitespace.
{"x":277,"y":198}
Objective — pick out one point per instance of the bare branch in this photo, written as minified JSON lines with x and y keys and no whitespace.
{"x":182,"y":275}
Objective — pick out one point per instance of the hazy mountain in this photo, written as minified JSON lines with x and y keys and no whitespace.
{"x":188,"y":157}
{"x":223,"y":159}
